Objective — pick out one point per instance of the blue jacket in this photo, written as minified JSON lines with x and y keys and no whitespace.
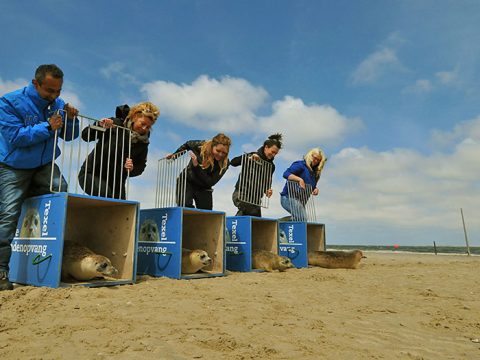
{"x":300,"y":169}
{"x":25,"y":140}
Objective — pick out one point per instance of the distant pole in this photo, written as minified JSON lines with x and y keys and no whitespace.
{"x":435,"y":247}
{"x":465,"y":232}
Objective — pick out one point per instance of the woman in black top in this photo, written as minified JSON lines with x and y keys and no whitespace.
{"x":267,"y":153}
{"x":108,"y":165}
{"x":208,"y":164}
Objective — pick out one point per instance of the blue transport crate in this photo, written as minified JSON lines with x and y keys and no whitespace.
{"x":245,"y":234}
{"x":165,"y":231}
{"x":108,"y":227}
{"x":296,"y":238}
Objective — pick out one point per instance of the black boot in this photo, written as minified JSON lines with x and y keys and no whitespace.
{"x":5,"y":284}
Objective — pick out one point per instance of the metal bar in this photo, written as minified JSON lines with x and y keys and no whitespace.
{"x":108,"y":163}
{"x":127,"y":180}
{"x":255,"y":175}
{"x":302,"y":202}
{"x":70,"y":162}
{"x":63,"y":153}
{"x":115,"y":163}
{"x":122,"y":188}
{"x":55,"y":141}
{"x":171,"y":180}
{"x":79,"y":155}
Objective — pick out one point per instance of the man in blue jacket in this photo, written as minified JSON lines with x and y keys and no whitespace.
{"x":29,"y":118}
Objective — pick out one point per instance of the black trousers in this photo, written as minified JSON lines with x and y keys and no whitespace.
{"x":96,"y":186}
{"x":203,"y":197}
{"x":245,"y":208}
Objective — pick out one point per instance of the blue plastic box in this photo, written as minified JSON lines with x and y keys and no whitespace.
{"x":106,"y":226}
{"x":245,"y":234}
{"x":296,"y":238}
{"x":165,"y":231}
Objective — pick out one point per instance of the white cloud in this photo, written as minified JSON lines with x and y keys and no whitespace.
{"x":305,"y":126}
{"x":118,"y":72}
{"x":464,"y":130}
{"x":376,"y":65}
{"x":7,"y":86}
{"x":402,"y":187}
{"x":421,"y":86}
{"x":225,"y":105}
{"x":232,"y":105}
{"x":394,"y":40}
{"x":441,"y":79}
{"x":447,"y":77}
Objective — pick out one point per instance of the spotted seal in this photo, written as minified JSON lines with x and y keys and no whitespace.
{"x":268,"y":261}
{"x":335,"y":259}
{"x":81,"y":263}
{"x":194,"y":260}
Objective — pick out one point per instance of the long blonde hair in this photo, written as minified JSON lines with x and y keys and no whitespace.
{"x":207,"y":155}
{"x":309,"y":158}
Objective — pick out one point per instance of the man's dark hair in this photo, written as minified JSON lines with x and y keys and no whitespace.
{"x":48,"y":69}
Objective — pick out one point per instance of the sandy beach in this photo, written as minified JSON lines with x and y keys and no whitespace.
{"x":395,"y":306}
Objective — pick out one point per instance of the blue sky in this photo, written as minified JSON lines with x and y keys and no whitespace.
{"x":388,"y":89}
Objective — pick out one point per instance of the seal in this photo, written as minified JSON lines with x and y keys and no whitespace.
{"x":194,"y":260}
{"x":81,"y":263}
{"x":31,"y":224}
{"x":268,"y":261}
{"x":149,"y":231}
{"x":335,"y":259}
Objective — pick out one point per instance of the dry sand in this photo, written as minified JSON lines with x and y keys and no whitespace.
{"x":395,"y":306}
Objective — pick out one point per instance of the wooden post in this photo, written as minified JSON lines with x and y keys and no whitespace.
{"x":465,"y":232}
{"x":435,"y":247}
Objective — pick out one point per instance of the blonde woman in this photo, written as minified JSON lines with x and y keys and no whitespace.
{"x":209,"y":163}
{"x":306,"y":174}
{"x":105,"y":171}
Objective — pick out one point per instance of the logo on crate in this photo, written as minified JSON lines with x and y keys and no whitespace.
{"x":163,"y":231}
{"x":287,"y":245}
{"x":150,"y":232}
{"x":29,"y":248}
{"x":153,"y":231}
{"x":233,"y":237}
{"x":46,"y":211}
{"x":31,"y":226}
{"x":284,"y":238}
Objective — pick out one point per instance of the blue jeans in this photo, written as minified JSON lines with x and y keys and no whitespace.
{"x":294,"y":207}
{"x":15,"y":186}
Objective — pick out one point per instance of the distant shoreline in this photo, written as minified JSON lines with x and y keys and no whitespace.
{"x":458,"y":250}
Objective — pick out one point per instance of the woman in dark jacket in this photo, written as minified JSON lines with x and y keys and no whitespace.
{"x":120,"y":151}
{"x":209,"y":163}
{"x":256,"y":180}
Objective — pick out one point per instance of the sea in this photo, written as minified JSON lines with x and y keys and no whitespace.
{"x":474,"y":250}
